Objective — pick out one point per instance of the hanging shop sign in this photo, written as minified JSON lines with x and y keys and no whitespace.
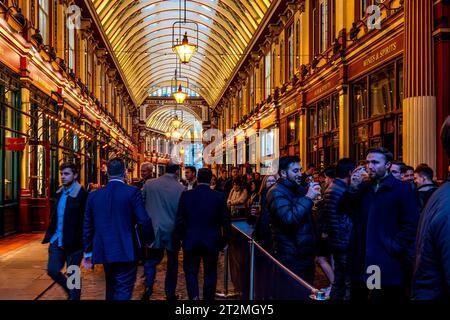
{"x":15,"y":144}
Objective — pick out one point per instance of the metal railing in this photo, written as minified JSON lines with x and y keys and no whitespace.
{"x":257,"y":275}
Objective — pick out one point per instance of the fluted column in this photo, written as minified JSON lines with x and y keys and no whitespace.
{"x":419,"y":104}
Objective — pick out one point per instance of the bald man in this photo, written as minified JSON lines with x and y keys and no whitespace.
{"x":146,"y":174}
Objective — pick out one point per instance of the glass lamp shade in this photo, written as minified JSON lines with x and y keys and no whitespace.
{"x":168,"y":134}
{"x":185,"y":51}
{"x":176,"y":134}
{"x":181,"y":151}
{"x":179,"y":95}
{"x":176,"y":123}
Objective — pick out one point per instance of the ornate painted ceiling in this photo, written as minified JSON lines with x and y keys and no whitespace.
{"x":140,"y":32}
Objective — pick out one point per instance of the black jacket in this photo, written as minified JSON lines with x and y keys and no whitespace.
{"x":335,"y":215}
{"x":203,"y":220}
{"x":73,"y":219}
{"x":384,"y":231}
{"x":291,"y":220}
{"x":432,"y":270}
{"x":423,"y":194}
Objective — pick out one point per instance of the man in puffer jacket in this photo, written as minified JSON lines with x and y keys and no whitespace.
{"x":289,"y":207}
{"x":335,"y":213}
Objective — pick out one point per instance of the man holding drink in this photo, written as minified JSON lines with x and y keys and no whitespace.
{"x":290,"y":209}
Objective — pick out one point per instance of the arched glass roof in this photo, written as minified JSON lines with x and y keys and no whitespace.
{"x":140,"y":32}
{"x":161,"y":118}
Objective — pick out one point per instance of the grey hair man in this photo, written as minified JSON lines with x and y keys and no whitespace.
{"x":146,"y":174}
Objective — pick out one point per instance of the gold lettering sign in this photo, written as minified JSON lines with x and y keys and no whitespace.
{"x":322,"y":89}
{"x":380,"y":54}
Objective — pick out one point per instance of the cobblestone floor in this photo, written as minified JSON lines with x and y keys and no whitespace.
{"x":93,"y":284}
{"x":23,"y":276}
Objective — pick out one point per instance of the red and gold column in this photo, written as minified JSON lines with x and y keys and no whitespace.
{"x":419,"y":104}
{"x":441,"y":35}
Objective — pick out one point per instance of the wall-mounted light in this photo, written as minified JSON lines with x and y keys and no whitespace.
{"x":292,"y":125}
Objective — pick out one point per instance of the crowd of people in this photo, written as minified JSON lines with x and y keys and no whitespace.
{"x":379,"y":231}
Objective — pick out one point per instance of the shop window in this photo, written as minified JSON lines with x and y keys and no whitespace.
{"x":267,"y":150}
{"x":382,"y":85}
{"x":323,"y":143}
{"x":400,"y":85}
{"x":240,"y":153}
{"x":293,"y":128}
{"x":313,"y":122}
{"x":252,"y":149}
{"x":324,"y":109}
{"x":335,"y":111}
{"x":359,"y":95}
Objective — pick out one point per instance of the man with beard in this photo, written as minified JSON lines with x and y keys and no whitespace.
{"x":289,"y":206}
{"x":384,"y":229}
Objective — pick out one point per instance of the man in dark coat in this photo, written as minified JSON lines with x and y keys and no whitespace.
{"x":423,"y":178}
{"x":110,"y":231}
{"x":384,"y":228}
{"x":146,"y":174}
{"x":65,"y":231}
{"x":203,"y":227}
{"x":432,"y":269}
{"x":335,"y":211}
{"x":289,"y":207}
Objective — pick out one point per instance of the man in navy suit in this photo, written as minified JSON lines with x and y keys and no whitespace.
{"x":110,"y":236}
{"x":203,"y":227}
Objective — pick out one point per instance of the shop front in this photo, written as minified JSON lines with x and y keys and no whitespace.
{"x":289,"y":128}
{"x":322,"y":102}
{"x":12,"y":141}
{"x":376,"y":98}
{"x":43,"y":180}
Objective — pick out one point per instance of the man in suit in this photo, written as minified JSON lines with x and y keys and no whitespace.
{"x":191,"y":178}
{"x":161,"y":198}
{"x":110,"y":236}
{"x":65,"y":232}
{"x":202,"y":226}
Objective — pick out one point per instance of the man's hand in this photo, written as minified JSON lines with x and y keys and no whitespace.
{"x":313,"y":191}
{"x":87,"y":263}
